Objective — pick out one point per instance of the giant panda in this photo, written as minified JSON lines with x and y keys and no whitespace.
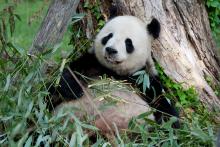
{"x":121,"y":48}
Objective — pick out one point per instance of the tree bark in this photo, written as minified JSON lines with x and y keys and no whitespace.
{"x":54,"y":25}
{"x":185,"y":48}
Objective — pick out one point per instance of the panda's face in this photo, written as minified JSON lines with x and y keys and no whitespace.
{"x":123,"y":45}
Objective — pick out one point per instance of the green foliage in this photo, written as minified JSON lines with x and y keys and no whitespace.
{"x":31,"y":14}
{"x":187,"y":100}
{"x":96,"y":12}
{"x":143,"y":78}
{"x":81,"y":43}
{"x":213,"y":7}
{"x":175,"y":91}
{"x":24,"y":118}
{"x":217,"y":90}
{"x":7,"y":18}
{"x":191,"y":133}
{"x":78,"y":39}
{"x":197,"y":123}
{"x":26,"y":121}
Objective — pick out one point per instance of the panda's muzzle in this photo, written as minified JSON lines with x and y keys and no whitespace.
{"x":111,"y":51}
{"x":110,"y":55}
{"x":112,"y":60}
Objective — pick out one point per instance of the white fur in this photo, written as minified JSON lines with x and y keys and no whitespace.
{"x":129,"y":105}
{"x":124,"y":27}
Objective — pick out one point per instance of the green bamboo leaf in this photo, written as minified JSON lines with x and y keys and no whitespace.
{"x":4,"y":31}
{"x":17,"y":129}
{"x":146,"y":82}
{"x":65,"y":124}
{"x":3,"y":138}
{"x":77,"y":17}
{"x":17,"y":16}
{"x":18,"y":49}
{"x":12,"y":24}
{"x":8,"y":80}
{"x":20,"y":96}
{"x":22,"y":140}
{"x":30,"y":106}
{"x":140,"y":79}
{"x":139,"y":73}
{"x":89,"y":127}
{"x":106,"y":144}
{"x":145,"y":115}
{"x":73,"y":140}
{"x":199,"y":133}
{"x":29,"y":77}
{"x":39,"y":140}
{"x":28,"y":142}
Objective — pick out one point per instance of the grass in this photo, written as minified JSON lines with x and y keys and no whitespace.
{"x":25,"y":120}
{"x":31,"y":14}
{"x":31,"y":17}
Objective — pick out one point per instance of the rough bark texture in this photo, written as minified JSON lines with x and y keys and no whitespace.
{"x":54,"y":25}
{"x":185,"y":48}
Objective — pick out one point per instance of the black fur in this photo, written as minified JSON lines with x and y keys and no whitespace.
{"x":155,"y":98}
{"x":154,"y":28}
{"x":113,"y":12}
{"x":69,"y":88}
{"x":106,"y":38}
{"x":86,"y":65}
{"x":160,"y":102}
{"x":129,"y":46}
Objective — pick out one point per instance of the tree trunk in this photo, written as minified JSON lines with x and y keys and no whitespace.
{"x":185,"y":48}
{"x":54,"y":25}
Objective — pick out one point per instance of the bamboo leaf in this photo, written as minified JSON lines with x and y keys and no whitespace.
{"x":146,"y":82}
{"x":20,"y":96}
{"x":29,"y":109}
{"x":8,"y":80}
{"x":89,"y":127}
{"x":139,"y":73}
{"x":28,"y":142}
{"x":73,"y":140}
{"x":22,"y":140}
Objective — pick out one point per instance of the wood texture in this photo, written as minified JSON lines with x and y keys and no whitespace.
{"x":54,"y":25}
{"x":185,"y":48}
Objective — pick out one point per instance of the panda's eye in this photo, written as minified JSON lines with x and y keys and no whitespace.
{"x":129,"y":45}
{"x":106,"y":38}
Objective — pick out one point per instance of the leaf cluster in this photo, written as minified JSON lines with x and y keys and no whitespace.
{"x":213,"y":7}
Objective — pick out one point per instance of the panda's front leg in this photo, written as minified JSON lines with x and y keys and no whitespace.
{"x":155,"y":96}
{"x":150,"y":67}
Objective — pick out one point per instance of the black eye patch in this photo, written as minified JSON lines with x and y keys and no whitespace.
{"x":129,"y":45}
{"x":106,"y":38}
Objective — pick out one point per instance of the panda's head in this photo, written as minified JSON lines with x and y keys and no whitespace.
{"x":124,"y":44}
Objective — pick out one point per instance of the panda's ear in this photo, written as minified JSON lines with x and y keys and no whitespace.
{"x":113,"y":12}
{"x":154,"y":28}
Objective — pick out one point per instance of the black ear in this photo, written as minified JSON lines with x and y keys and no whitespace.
{"x":113,"y":12}
{"x":154,"y":28}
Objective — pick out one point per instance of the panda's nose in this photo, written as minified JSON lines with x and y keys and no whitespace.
{"x":111,"y":51}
